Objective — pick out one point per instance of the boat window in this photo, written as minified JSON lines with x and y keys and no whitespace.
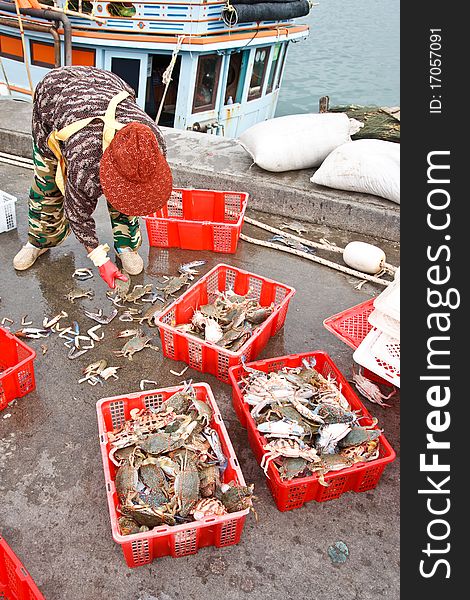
{"x":42,"y":54}
{"x":81,"y":6}
{"x":127,"y":69}
{"x":233,"y":78}
{"x":121,"y":9}
{"x":258,"y":73}
{"x":11,"y":47}
{"x":281,"y":62}
{"x":83,"y":56}
{"x":207,"y":80}
{"x":274,"y":64}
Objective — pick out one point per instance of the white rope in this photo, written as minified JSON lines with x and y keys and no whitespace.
{"x":16,"y":163}
{"x":317,"y":259}
{"x":323,"y":245}
{"x":304,"y":241}
{"x":166,"y":77}
{"x":229,"y":8}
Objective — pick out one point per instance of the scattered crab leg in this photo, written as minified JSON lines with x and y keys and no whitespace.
{"x":43,"y":348}
{"x":86,"y":338}
{"x":99,"y":317}
{"x":6,"y":320}
{"x":109,"y":372}
{"x":24,"y":322}
{"x":143,"y":382}
{"x":75,"y":354}
{"x":82,"y":274}
{"x":33,"y":332}
{"x":91,"y":333}
{"x":128,"y":333}
{"x":49,"y":323}
{"x":129,"y":315}
{"x":181,"y":373}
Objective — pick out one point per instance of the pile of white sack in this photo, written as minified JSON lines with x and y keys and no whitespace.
{"x":324,"y":140}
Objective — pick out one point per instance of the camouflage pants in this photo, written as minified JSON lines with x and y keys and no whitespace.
{"x":48,"y":225}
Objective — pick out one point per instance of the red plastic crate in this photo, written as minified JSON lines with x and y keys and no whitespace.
{"x":351,"y":326}
{"x":288,"y":495}
{"x":16,"y":368}
{"x":15,"y":582}
{"x":199,"y":220}
{"x":177,"y":540}
{"x":210,"y":358}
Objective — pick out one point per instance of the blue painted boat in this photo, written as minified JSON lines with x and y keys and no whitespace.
{"x":192,"y":64}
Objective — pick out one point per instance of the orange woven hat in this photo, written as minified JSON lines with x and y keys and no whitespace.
{"x":134,"y":174}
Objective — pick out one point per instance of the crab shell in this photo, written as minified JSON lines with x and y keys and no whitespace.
{"x":208,"y":507}
{"x":238,"y":497}
{"x":359,"y":435}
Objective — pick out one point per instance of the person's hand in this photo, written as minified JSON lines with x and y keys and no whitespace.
{"x":109,"y":272}
{"x":29,"y":4}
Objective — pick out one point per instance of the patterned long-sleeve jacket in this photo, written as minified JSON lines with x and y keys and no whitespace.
{"x":68,"y":94}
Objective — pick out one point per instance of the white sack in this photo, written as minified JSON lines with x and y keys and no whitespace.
{"x":297,"y":141}
{"x":369,"y":166}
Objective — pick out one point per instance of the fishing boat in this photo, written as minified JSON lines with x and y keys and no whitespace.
{"x":214,"y":66}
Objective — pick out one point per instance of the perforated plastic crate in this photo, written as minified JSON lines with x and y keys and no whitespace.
{"x":388,"y":302}
{"x":351,"y":325}
{"x":210,"y":358}
{"x":385,"y":323}
{"x":7,"y":212}
{"x":165,"y":540}
{"x":288,"y":495}
{"x":15,"y":581}
{"x":199,"y":220}
{"x":16,"y":368}
{"x":380,"y":353}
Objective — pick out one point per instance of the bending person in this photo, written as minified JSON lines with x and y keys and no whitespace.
{"x":91,"y":138}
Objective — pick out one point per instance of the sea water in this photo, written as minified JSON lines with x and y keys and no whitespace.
{"x":351,"y":55}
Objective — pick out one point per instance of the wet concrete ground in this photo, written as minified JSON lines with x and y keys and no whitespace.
{"x":54,"y":509}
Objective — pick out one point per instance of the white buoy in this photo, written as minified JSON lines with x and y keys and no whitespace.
{"x":364,"y":257}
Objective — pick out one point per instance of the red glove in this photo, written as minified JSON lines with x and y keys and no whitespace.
{"x":109,"y":272}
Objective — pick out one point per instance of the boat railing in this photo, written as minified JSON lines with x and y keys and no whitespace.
{"x":192,"y":17}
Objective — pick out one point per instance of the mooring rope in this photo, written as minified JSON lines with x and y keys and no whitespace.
{"x":317,"y":259}
{"x":322,"y":245}
{"x":168,"y":72}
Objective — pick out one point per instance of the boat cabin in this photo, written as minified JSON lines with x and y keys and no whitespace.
{"x":188,"y":67}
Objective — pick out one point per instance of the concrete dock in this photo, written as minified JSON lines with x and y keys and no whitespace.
{"x":54,"y":509}
{"x":205,"y":161}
